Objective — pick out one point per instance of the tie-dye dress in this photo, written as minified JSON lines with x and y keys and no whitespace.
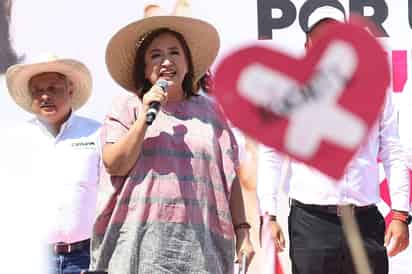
{"x":171,"y":213}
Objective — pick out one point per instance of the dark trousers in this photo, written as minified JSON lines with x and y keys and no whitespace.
{"x":318,"y":245}
{"x":72,"y":263}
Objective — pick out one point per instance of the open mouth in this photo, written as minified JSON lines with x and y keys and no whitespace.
{"x":46,"y":105}
{"x":167,"y":73}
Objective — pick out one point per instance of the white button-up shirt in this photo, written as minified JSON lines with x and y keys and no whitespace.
{"x":67,"y":167}
{"x":360,"y":183}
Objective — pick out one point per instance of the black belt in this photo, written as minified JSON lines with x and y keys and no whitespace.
{"x":64,"y":248}
{"x":332,"y":209}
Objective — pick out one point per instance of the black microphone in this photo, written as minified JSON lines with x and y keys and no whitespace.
{"x":154,"y":106}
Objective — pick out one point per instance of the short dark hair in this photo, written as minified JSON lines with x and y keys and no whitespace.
{"x":320,"y":23}
{"x":8,"y":56}
{"x":142,"y":84}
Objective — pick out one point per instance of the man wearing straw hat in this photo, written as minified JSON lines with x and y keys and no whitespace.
{"x":65,"y":148}
{"x":317,"y":241}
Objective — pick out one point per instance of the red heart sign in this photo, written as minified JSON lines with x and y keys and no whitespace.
{"x":318,"y":109}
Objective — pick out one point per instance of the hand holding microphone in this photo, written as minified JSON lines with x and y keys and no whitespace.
{"x":155,"y":99}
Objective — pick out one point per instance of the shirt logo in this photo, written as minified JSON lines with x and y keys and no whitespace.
{"x":84,"y":144}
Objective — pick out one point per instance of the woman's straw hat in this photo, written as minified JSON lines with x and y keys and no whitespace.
{"x":201,"y":38}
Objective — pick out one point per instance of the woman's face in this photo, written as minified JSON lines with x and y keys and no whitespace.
{"x":165,"y":59}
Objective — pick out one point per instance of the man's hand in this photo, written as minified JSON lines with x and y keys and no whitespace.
{"x":397,"y":237}
{"x":277,"y":235}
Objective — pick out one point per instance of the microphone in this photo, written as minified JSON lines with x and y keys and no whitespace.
{"x":154,"y":106}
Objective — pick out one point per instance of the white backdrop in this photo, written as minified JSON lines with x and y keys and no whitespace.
{"x":81,"y":29}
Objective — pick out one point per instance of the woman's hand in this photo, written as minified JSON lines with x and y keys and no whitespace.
{"x":244,"y":246}
{"x":155,"y":94}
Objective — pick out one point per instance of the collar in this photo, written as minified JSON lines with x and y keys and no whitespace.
{"x":47,"y":130}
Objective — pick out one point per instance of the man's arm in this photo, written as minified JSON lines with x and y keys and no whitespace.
{"x":393,"y":159}
{"x":268,"y":180}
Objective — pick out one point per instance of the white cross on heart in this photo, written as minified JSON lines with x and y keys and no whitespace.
{"x":317,"y":109}
{"x":313,"y":111}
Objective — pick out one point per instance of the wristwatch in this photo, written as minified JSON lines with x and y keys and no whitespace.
{"x":271,"y":218}
{"x":409,"y":219}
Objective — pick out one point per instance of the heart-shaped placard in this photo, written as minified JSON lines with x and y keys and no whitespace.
{"x":318,"y":109}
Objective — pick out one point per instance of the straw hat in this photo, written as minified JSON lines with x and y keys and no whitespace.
{"x":18,"y":77}
{"x":201,"y":38}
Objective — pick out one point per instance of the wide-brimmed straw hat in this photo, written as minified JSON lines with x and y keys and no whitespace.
{"x":18,"y":77}
{"x":201,"y":38}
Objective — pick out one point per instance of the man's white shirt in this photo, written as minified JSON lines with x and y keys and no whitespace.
{"x":360,"y":184}
{"x":66,"y":170}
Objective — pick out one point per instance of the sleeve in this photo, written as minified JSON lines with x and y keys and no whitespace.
{"x":268,"y":179}
{"x":405,"y":129}
{"x":227,"y":142}
{"x":120,"y":118}
{"x":393,"y":157}
{"x":99,"y":153}
{"x":240,"y":139}
{"x":230,"y":157}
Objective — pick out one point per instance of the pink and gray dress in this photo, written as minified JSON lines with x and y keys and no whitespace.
{"x":171,"y":213}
